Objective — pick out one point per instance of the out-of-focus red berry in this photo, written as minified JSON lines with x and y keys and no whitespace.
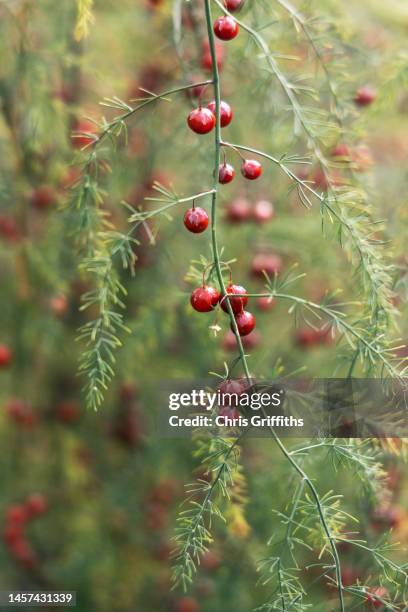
{"x":270,"y":263}
{"x":83,"y":133}
{"x":36,"y":504}
{"x":187,"y":604}
{"x":59,"y":305}
{"x":16,"y":514}
{"x":68,"y":412}
{"x":6,"y":356}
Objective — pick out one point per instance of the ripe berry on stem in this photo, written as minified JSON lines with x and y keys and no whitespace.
{"x":196,"y":220}
{"x":251,"y":169}
{"x":226,"y":173}
{"x":226,"y":113}
{"x":237,"y":303}
{"x":233,"y":5}
{"x":226,"y":28}
{"x":201,"y":120}
{"x":204,"y":299}
{"x":245,"y":322}
{"x":265,"y":303}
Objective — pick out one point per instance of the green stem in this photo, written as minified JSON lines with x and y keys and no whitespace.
{"x":315,"y":495}
{"x":330,"y":313}
{"x":124,"y":116}
{"x":217,"y":160}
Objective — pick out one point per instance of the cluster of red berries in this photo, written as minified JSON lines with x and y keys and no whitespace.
{"x":202,"y":120}
{"x":308,"y":337}
{"x":206,"y":298}
{"x":17,"y":518}
{"x":241,"y":211}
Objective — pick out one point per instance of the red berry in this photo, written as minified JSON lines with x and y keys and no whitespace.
{"x":210,"y":560}
{"x":225,"y":112}
{"x":196,"y":90}
{"x":8,"y":228}
{"x":59,"y":305}
{"x":251,"y":169}
{"x":226,"y":173}
{"x":128,"y":391}
{"x":83,"y":133}
{"x":196,"y":220}
{"x":16,"y":514}
{"x":12,"y":532}
{"x":36,"y":504}
{"x":128,"y":428}
{"x":265,"y":303}
{"x":341,"y":150}
{"x":226,"y":28}
{"x":201,"y":120}
{"x":6,"y":356}
{"x":248,"y":342}
{"x":325,"y":181}
{"x":266,"y":262}
{"x":187,"y":604}
{"x":238,"y":211}
{"x":164,"y":492}
{"x":154,"y":4}
{"x":22,"y":551}
{"x":263,"y":211}
{"x":237,"y":304}
{"x":20,"y":412}
{"x":233,"y":5}
{"x":163,"y":551}
{"x":349,"y":575}
{"x":362,"y":158}
{"x":245,"y":322}
{"x":386,"y":517}
{"x":43,"y":198}
{"x":374,"y":594}
{"x":308,"y":337}
{"x":204,"y":299}
{"x":365,"y":96}
{"x":206,"y":60}
{"x":68,"y":412}
{"x":229,"y":389}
